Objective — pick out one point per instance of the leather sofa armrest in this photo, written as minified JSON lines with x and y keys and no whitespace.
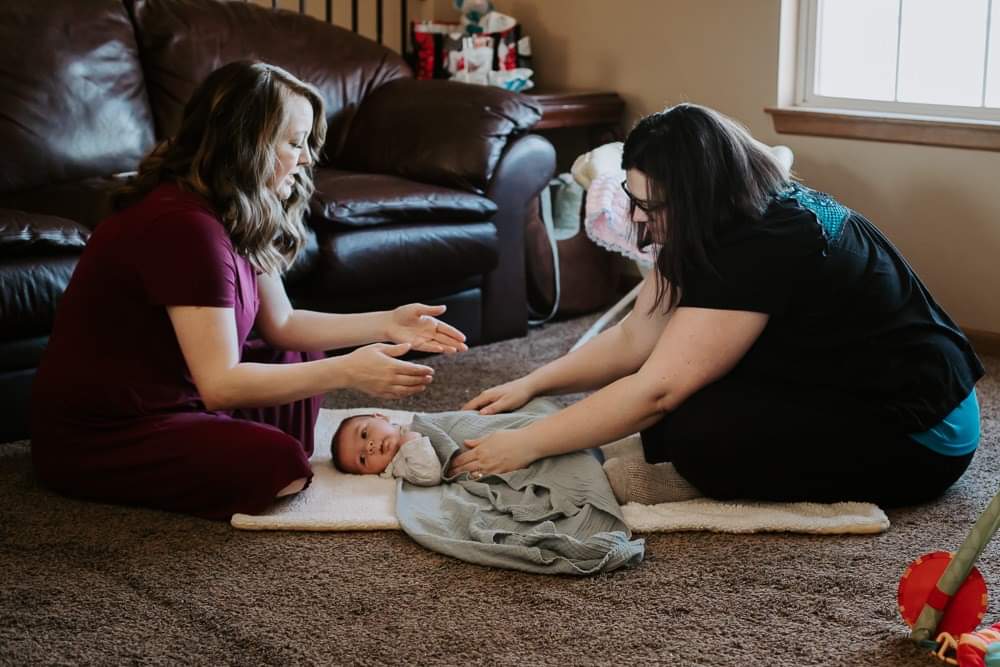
{"x":24,"y":232}
{"x":525,"y":167}
{"x":441,"y":132}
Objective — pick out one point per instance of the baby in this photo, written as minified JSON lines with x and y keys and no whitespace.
{"x":374,"y":445}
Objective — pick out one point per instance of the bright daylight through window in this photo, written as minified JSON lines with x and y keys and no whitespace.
{"x":936,"y":58}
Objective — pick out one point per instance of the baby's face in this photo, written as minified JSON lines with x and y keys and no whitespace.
{"x":368,"y":443}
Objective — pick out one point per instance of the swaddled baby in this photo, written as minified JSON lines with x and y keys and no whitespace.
{"x":374,"y":445}
{"x":558,"y":515}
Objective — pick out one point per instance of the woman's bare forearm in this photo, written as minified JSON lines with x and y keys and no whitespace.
{"x":286,"y":328}
{"x":701,"y":346}
{"x":615,"y":353}
{"x":211,"y":347}
{"x":252,"y":385}
{"x":311,"y":331}
{"x":607,"y":357}
{"x":621,"y":408}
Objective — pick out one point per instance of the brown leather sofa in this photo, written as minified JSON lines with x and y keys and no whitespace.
{"x":422,"y":193}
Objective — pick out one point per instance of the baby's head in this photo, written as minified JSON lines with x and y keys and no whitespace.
{"x":365,"y":444}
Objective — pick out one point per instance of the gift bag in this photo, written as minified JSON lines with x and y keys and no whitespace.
{"x":497,"y":55}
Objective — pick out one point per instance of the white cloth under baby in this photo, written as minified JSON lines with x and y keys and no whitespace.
{"x":416,"y":462}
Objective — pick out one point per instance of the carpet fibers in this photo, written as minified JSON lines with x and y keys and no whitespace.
{"x":87,"y":583}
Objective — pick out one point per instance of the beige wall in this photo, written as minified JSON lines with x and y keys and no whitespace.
{"x":941,"y":206}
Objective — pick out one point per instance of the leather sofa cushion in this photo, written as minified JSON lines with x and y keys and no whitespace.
{"x":362,"y":200}
{"x":21,"y":353}
{"x":386,"y":257}
{"x":30,"y":287}
{"x":73,"y":102}
{"x":86,"y":202}
{"x":306,"y":261}
{"x":22,"y":233}
{"x":183,"y":41}
{"x":442,"y":132}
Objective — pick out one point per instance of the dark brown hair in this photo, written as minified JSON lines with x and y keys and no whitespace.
{"x":709,"y":173}
{"x":225,"y":151}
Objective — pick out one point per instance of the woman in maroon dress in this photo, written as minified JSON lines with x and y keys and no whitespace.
{"x":150,"y":392}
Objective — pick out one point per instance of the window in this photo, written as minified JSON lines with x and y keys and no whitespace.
{"x":914,"y":63}
{"x":922,"y":57}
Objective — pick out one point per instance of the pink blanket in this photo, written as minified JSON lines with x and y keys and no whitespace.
{"x":607,"y":222}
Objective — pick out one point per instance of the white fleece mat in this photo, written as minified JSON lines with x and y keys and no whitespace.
{"x":338,"y":501}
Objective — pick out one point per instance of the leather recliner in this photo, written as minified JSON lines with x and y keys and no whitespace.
{"x":421,"y":194}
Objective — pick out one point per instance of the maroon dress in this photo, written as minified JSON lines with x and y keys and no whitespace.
{"x":116,"y":416}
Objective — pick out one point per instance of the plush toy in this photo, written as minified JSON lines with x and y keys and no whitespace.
{"x":603,"y":160}
{"x":971,"y":649}
{"x":784,"y":155}
{"x":473,"y":12}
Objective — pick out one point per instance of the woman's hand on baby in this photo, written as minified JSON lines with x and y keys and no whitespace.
{"x":493,"y":454}
{"x":375,"y":370}
{"x":418,"y":325}
{"x":502,"y":398}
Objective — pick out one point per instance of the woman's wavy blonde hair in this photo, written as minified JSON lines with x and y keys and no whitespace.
{"x":226,"y":151}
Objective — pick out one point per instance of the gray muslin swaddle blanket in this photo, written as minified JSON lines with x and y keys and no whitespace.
{"x":557,"y":516}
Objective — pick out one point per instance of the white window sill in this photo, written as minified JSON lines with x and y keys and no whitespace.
{"x":976,"y":134}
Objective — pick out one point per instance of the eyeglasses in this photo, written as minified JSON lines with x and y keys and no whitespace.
{"x":644,"y":205}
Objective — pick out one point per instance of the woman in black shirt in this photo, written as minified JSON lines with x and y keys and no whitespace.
{"x":782,"y":350}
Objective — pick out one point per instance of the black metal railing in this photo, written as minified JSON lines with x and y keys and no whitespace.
{"x":328,"y":5}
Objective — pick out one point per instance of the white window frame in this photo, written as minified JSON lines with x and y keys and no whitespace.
{"x":805,"y":72}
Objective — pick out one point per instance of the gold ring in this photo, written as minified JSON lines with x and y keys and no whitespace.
{"x":476,"y":474}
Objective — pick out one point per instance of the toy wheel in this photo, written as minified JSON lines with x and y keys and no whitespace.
{"x":964,"y":611}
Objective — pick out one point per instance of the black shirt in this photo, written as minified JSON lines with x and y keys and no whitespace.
{"x":846,"y":310}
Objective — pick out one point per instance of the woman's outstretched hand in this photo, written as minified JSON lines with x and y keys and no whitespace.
{"x":501,"y":398}
{"x":418,"y":325}
{"x":375,"y":370}
{"x":495,"y":453}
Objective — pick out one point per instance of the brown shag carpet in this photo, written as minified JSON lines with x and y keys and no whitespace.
{"x":87,"y":583}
